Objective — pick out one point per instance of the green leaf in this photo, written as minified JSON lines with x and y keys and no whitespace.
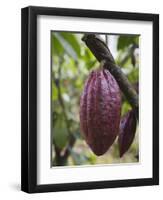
{"x":60,"y":135}
{"x":67,"y":46}
{"x":125,"y":41}
{"x":89,"y":59}
{"x":125,"y":108}
{"x":134,"y":75}
{"x":92,"y":158}
{"x":56,"y":46}
{"x":54,"y":92}
{"x":136,"y":39}
{"x":72,"y":40}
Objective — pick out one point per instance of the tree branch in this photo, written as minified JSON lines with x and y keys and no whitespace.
{"x":104,"y":56}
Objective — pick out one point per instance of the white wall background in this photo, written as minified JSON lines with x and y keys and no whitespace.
{"x":10,"y":79}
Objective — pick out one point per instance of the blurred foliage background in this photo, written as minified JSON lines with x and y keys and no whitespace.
{"x":72,"y":61}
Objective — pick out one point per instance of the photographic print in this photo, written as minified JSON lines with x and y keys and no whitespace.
{"x":90,"y":99}
{"x":94,"y":118}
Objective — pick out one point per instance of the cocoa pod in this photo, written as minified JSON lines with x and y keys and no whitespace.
{"x":127,"y":132}
{"x":100,"y":107}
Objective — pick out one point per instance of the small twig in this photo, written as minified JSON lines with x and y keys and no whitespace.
{"x":103,"y":54}
{"x":129,"y":54}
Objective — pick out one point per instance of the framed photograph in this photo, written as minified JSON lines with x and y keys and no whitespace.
{"x":90,"y":99}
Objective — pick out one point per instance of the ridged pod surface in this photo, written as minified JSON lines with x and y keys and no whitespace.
{"x":127,"y":132}
{"x":100,"y":107}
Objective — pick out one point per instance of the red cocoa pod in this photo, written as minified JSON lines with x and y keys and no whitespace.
{"x":100,"y":107}
{"x":127,"y":132}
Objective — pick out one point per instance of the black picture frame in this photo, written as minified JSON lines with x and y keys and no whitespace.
{"x":29,"y":98}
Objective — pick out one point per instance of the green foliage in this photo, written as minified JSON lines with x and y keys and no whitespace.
{"x":72,"y":61}
{"x":126,"y":41}
{"x":57,"y":47}
{"x":72,"y":40}
{"x":54,"y":92}
{"x":60,"y":135}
